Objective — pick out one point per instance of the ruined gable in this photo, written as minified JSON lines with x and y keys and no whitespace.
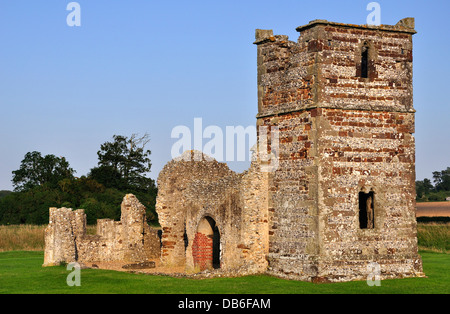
{"x":209,"y":212}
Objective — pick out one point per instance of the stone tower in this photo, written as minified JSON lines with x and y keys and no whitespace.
{"x":343,"y":195}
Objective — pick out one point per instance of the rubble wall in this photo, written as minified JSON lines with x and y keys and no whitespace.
{"x":127,"y":240}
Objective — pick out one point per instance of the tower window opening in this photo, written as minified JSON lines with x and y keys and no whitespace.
{"x":366,"y":210}
{"x":365,"y":62}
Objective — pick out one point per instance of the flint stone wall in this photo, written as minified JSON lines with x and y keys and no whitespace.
{"x":340,"y":134}
{"x":127,"y":240}
{"x":193,"y":187}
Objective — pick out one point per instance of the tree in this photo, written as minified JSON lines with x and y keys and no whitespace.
{"x":4,"y":193}
{"x":423,"y":188}
{"x":123,"y":163}
{"x":442,"y":180}
{"x":36,"y":170}
{"x":108,"y":176}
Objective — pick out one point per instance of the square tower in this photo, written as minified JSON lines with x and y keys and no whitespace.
{"x":343,"y":196}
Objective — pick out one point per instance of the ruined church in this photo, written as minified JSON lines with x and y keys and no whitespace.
{"x":340,"y":198}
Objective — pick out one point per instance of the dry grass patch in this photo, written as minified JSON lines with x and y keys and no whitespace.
{"x":26,"y":237}
{"x":22,"y":238}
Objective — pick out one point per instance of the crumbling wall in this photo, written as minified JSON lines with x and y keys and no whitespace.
{"x":194,"y":187}
{"x":60,"y":236}
{"x":127,"y":240}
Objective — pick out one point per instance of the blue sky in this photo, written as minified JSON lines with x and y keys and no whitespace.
{"x":148,"y":66}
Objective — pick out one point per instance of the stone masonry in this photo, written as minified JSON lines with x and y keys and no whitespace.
{"x":343,"y":195}
{"x":127,"y":240}
{"x":341,"y":198}
{"x":342,"y":99}
{"x":195,"y":194}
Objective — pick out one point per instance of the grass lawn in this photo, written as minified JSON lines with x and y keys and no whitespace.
{"x":21,"y":272}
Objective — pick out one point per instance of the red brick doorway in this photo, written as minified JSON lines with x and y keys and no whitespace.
{"x":206,"y":245}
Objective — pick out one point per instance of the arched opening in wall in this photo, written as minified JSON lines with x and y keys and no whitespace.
{"x":206,"y":245}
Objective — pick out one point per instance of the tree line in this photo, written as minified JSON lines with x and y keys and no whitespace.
{"x":439,"y":191}
{"x":48,"y":181}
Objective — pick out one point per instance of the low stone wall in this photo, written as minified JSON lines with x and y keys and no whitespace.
{"x":127,"y":240}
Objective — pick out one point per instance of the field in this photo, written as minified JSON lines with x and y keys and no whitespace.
{"x":433,"y":209}
{"x":22,"y":238}
{"x":25,"y":237}
{"x":431,"y":236}
{"x":21,"y":271}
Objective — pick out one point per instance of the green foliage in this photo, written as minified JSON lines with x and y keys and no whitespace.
{"x":426,"y":192}
{"x":442,"y":180}
{"x":36,"y":170}
{"x":32,"y":206}
{"x":108,"y":176}
{"x":3,"y":193}
{"x":44,"y":182}
{"x":95,"y":209}
{"x":123,"y":163}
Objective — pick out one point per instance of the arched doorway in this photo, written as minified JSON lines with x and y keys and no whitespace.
{"x":206,"y":245}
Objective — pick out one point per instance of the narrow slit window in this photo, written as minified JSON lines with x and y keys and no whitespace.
{"x":366,"y":210}
{"x":185,"y":239}
{"x":365,"y":62}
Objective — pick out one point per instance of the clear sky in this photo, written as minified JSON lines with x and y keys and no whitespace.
{"x":140,"y":66}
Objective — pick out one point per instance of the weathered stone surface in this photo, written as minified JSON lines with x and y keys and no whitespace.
{"x":194,"y":188}
{"x":341,"y":134}
{"x":60,"y":236}
{"x":127,"y":240}
{"x":141,"y":265}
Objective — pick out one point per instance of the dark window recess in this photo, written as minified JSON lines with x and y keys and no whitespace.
{"x":216,"y":248}
{"x":215,"y":244}
{"x":366,"y":210}
{"x":160,"y":237}
{"x":365,"y":62}
{"x":185,"y":239}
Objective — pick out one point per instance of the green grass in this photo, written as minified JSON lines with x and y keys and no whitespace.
{"x":434,"y":236}
{"x":21,"y":272}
